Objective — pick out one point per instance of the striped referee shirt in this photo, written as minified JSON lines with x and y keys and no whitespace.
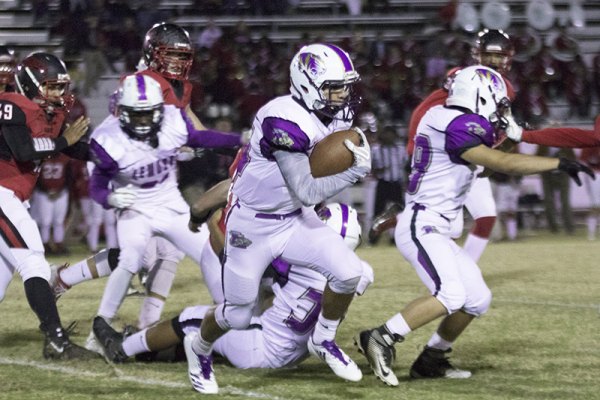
{"x":388,"y":161}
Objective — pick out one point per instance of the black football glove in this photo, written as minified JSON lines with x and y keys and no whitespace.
{"x":572,"y":168}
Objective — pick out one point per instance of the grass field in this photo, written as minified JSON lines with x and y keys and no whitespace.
{"x":540,"y":339}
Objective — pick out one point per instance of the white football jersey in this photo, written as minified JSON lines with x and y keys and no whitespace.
{"x":151,"y":171}
{"x":281,"y":124}
{"x":440,"y":179}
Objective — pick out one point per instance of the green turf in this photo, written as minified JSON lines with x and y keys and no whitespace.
{"x":540,"y":339}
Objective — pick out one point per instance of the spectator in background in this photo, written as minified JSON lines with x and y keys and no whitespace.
{"x":389,"y":159}
{"x":209,"y":35}
{"x":590,"y":156}
{"x":555,"y":184}
{"x":50,"y":202}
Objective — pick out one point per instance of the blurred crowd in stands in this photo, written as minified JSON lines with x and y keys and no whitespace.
{"x":234,"y":73}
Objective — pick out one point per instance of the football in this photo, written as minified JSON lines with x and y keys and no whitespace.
{"x":330,"y":156}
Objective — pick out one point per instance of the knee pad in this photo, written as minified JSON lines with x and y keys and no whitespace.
{"x":34,"y":265}
{"x":480,"y":305}
{"x":453,"y":296}
{"x":344,"y":287}
{"x":234,"y":316}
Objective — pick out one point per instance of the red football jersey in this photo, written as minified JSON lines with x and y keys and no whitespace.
{"x":53,"y":174}
{"x":168,"y":93}
{"x":81,"y":179}
{"x":21,"y":177}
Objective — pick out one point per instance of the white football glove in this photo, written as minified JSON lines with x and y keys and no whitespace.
{"x":362,"y":154}
{"x":513,"y":131}
{"x":122,"y":197}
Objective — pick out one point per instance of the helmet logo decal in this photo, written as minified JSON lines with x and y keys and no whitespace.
{"x":312,"y":64}
{"x":282,"y":138}
{"x":141,"y":84}
{"x":475,"y":128}
{"x":487,"y":75}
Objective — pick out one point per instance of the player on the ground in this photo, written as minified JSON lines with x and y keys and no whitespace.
{"x":32,"y":122}
{"x":272,"y":184}
{"x":451,"y":141}
{"x":494,"y":49}
{"x":278,"y":337}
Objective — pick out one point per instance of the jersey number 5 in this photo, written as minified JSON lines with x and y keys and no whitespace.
{"x":305,"y":325}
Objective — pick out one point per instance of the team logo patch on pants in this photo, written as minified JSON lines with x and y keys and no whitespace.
{"x":429,"y":229}
{"x":237,"y":239}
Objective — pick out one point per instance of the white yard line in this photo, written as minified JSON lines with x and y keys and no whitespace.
{"x":128,"y":378}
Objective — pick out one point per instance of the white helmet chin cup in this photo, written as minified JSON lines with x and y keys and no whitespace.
{"x":315,"y":65}
{"x":343,"y":219}
{"x":479,"y":89}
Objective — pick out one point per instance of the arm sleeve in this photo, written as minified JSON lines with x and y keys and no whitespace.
{"x":209,"y":138}
{"x":295,"y":169}
{"x":105,"y":170}
{"x":79,"y":151}
{"x":25,"y":148}
{"x":564,"y":137}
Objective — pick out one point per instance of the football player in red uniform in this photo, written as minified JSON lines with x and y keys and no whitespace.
{"x":31,"y":120}
{"x":495,"y":50}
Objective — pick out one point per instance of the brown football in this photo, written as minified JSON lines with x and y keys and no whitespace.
{"x":330,"y":156}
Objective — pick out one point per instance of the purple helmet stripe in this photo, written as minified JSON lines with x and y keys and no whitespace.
{"x":345,"y":215}
{"x":345,"y":60}
{"x":141,"y":83}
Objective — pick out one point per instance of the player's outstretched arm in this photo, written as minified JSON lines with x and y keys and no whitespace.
{"x":522,"y":164}
{"x":213,"y":198}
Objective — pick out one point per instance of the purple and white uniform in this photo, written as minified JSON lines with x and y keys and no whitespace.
{"x":438,"y":185}
{"x":266,"y":220}
{"x":280,"y":334}
{"x":159,"y":209}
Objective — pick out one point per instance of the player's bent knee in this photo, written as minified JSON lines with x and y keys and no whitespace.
{"x":344,"y":287}
{"x":130,"y":261}
{"x":453,"y":298}
{"x":480,"y":305}
{"x":234,"y":316}
{"x":34,"y":266}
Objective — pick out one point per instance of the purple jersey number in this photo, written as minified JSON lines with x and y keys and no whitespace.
{"x":421,"y":160}
{"x":310,"y":319}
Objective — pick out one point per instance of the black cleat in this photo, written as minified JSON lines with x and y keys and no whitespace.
{"x":58,"y":346}
{"x":384,"y":221}
{"x":434,"y":363}
{"x":110,"y":340}
{"x":377,"y":345}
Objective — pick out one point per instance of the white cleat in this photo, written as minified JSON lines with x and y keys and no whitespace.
{"x":338,"y":361}
{"x":200,"y":370}
{"x":92,"y":344}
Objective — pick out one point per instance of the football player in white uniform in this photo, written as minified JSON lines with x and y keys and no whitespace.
{"x":135,"y":153}
{"x":452,"y":139}
{"x":278,"y":337}
{"x":266,"y":221}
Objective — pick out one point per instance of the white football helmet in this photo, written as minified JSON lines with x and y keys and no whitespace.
{"x":482,"y":91}
{"x":316,"y":71}
{"x":343,"y":219}
{"x":140,"y":107}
